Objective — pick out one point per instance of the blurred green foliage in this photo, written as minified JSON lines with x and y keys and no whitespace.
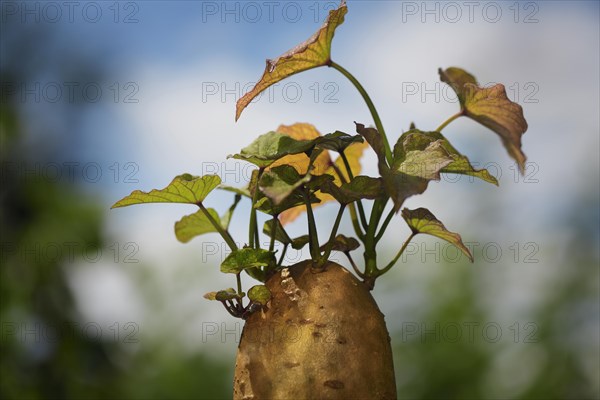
{"x":44,"y":352}
{"x":553,"y":354}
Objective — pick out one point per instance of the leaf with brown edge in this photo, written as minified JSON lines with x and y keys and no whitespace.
{"x":353,"y":154}
{"x":278,"y":183}
{"x":415,"y":139}
{"x":361,"y":187}
{"x":422,"y":220}
{"x":301,"y":132}
{"x":490,"y":107}
{"x":417,"y":160}
{"x":315,"y":52}
{"x":400,"y":186}
{"x":270,"y":147}
{"x":375,"y":140}
{"x":185,"y":188}
{"x":222,"y":295}
{"x":426,"y":163}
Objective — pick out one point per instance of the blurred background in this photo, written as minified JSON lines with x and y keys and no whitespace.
{"x":101,"y":98}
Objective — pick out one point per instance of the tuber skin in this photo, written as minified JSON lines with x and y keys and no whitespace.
{"x":321,"y":336}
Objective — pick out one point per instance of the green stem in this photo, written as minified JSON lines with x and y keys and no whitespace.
{"x":272,"y":244}
{"x":336,"y":225}
{"x":239,"y":283}
{"x":360,"y":274}
{"x":285,"y":247}
{"x":385,"y":225}
{"x":391,"y":264}
{"x":370,"y":243}
{"x":447,"y":122}
{"x":312,"y":227}
{"x":353,"y":216}
{"x":372,"y":109}
{"x":355,"y":224}
{"x":217,"y":225}
{"x":253,"y":228}
{"x":361,"y":210}
{"x":347,"y":165}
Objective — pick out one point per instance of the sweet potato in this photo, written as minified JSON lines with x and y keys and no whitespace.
{"x":322,"y":336}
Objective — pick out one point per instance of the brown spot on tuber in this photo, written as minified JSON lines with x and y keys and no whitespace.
{"x":334,"y":384}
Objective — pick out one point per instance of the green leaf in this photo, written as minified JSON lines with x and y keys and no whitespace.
{"x":272,"y":146}
{"x":422,"y":220}
{"x":342,"y":243}
{"x":375,"y":140}
{"x":295,"y":199}
{"x":419,"y":140}
{"x":416,"y":162}
{"x":241,"y":191}
{"x":184,"y":188}
{"x":400,"y":186}
{"x":353,"y":154}
{"x":223,"y":295}
{"x":364,"y":187}
{"x":319,"y":160}
{"x":299,"y":242}
{"x":259,"y":294}
{"x":459,"y":80}
{"x":314,"y":52}
{"x":426,"y":163}
{"x":491,"y":108}
{"x":361,"y":187}
{"x":195,"y":224}
{"x":279,"y":182}
{"x":337,"y":141}
{"x":241,"y":259}
{"x":273,"y":227}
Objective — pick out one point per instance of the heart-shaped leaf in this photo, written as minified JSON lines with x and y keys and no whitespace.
{"x":259,"y":294}
{"x":279,"y":182}
{"x":490,"y":107}
{"x":296,"y":198}
{"x":426,"y":163}
{"x":274,"y":228}
{"x":184,"y":188}
{"x":241,"y":259}
{"x":400,"y":186}
{"x":361,"y":187}
{"x":419,"y":140}
{"x":422,"y":220}
{"x":353,"y":154}
{"x":314,"y":52}
{"x":301,"y":131}
{"x":415,"y":164}
{"x":342,"y":243}
{"x":195,"y":224}
{"x":337,"y":141}
{"x":270,"y":147}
